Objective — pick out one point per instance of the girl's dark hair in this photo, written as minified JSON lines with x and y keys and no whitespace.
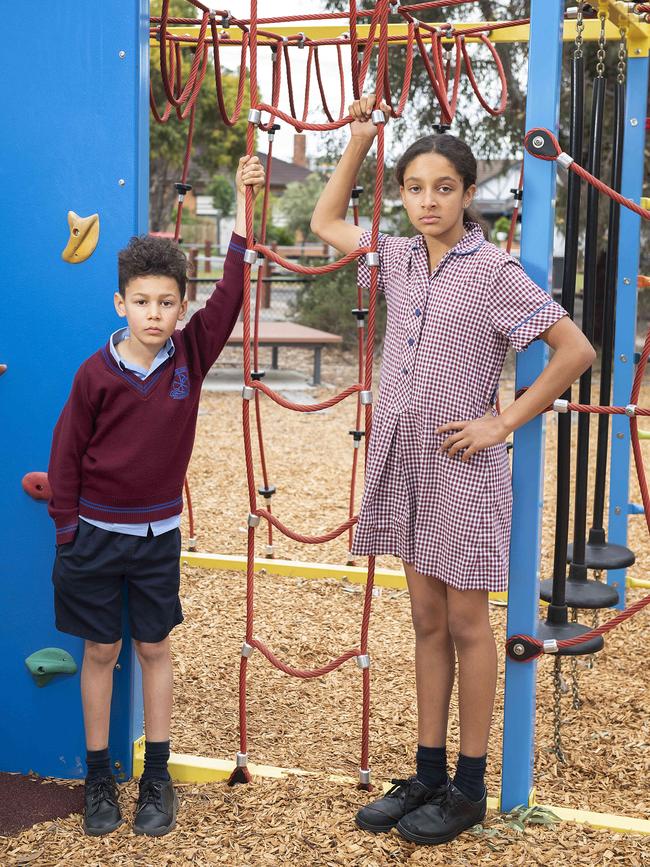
{"x":158,"y":257}
{"x":458,"y":154}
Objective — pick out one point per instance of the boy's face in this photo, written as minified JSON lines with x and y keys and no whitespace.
{"x":152,"y":306}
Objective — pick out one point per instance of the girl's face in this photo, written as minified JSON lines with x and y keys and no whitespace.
{"x":433,"y":195}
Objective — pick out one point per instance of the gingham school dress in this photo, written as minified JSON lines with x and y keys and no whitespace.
{"x":447,"y":335}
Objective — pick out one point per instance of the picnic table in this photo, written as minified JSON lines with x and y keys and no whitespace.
{"x":277,"y":334}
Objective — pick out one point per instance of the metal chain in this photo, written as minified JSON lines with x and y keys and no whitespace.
{"x":557,"y":710}
{"x":580,"y":26}
{"x":575,"y":691}
{"x":600,"y":65}
{"x":622,"y":57}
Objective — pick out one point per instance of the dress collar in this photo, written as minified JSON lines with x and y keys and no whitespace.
{"x":469,"y":243}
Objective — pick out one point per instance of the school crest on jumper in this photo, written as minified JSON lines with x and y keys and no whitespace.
{"x":181,"y":385}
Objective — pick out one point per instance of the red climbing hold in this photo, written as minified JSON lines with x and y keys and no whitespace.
{"x":37,"y":486}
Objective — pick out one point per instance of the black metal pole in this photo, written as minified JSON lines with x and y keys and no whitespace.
{"x":577,"y":569}
{"x":597,"y":532}
{"x":557,"y":608}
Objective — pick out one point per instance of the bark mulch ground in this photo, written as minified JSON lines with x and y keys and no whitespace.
{"x":315,"y":725}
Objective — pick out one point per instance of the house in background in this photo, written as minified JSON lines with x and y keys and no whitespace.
{"x":199,"y":204}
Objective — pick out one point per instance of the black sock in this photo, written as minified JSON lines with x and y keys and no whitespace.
{"x":99,"y":764}
{"x":470,"y":776}
{"x":431,"y":763}
{"x":156,"y":756}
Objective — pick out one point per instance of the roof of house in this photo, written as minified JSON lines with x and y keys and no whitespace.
{"x":283,"y":172}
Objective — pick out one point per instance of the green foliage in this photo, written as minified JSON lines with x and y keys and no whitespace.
{"x":216,"y":147}
{"x":298,"y":203}
{"x":326,"y":303}
{"x":279,"y":235}
{"x":502,"y":225}
{"x":498,"y":835}
{"x":223,"y":194}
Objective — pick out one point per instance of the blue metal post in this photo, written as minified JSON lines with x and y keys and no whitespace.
{"x":75,"y":137}
{"x":624,"y":340}
{"x":544,"y":68}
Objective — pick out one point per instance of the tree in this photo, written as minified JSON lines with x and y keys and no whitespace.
{"x":215,"y":145}
{"x":299,"y":201}
{"x":490,"y":137}
{"x":223,"y":198}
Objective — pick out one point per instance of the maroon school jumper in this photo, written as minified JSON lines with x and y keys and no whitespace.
{"x":121,"y":446}
{"x":447,"y":335}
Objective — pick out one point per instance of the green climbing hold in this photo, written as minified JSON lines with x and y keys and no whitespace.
{"x":46,"y":663}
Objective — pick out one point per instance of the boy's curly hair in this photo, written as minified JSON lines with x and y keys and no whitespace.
{"x":145,"y":255}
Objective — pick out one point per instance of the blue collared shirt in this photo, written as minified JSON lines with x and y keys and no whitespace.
{"x":166,"y":524}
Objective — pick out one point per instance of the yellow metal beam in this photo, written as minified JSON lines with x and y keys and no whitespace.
{"x":389,"y":578}
{"x":200,"y":769}
{"x":638,"y":33}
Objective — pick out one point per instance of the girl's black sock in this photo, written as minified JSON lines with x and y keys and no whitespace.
{"x":470,"y":776}
{"x":156,"y":756}
{"x":99,"y":764}
{"x":431,"y":764}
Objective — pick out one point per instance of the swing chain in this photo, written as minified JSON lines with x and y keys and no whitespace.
{"x":622,"y":57}
{"x":575,"y":691}
{"x":557,"y":710}
{"x":600,"y":65}
{"x":580,"y":26}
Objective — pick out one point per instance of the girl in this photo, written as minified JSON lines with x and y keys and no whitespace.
{"x":438,"y":491}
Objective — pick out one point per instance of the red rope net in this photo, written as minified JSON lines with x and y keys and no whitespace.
{"x":217,"y":29}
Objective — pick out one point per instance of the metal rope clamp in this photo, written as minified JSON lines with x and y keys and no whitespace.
{"x":565,"y":160}
{"x":365,"y":398}
{"x":378,"y":116}
{"x":372,"y":259}
{"x":630,"y":410}
{"x":247,"y":392}
{"x":364,"y":776}
{"x":254,"y":115}
{"x":250,"y":256}
{"x":253,"y":520}
{"x":242,"y":760}
{"x":550,"y":645}
{"x":561,"y":405}
{"x":363,"y":660}
{"x":247,"y":649}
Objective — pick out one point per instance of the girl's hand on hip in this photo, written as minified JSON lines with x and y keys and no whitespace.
{"x":473,"y":436}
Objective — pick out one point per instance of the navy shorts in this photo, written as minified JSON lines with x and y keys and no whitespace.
{"x":89,"y":575}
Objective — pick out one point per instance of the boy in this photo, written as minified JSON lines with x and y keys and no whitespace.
{"x":119,"y":456}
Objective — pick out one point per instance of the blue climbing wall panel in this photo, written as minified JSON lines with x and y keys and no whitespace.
{"x":75,"y":137}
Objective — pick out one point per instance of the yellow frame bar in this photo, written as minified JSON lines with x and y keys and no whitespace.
{"x":200,"y":769}
{"x":389,"y":578}
{"x":638,"y":34}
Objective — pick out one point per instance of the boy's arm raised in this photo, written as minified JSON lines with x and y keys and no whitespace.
{"x":208,"y":330}
{"x":329,"y":218}
{"x":69,"y":441}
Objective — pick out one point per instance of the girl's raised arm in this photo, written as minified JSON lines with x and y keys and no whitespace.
{"x":328,"y":220}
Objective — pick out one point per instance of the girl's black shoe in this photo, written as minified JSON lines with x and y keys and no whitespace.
{"x":440,"y":821}
{"x":101,"y":809}
{"x":405,"y":796}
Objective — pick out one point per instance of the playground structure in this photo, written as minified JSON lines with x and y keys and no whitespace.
{"x":123,"y":188}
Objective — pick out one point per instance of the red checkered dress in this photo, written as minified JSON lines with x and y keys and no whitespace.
{"x":447,"y":336}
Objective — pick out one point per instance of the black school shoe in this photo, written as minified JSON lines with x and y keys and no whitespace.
{"x":405,"y":796}
{"x":101,"y":809}
{"x":155,"y":814}
{"x":440,"y":821}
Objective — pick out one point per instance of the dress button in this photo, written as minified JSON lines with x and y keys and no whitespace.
{"x":417,"y":311}
{"x":410,"y":341}
{"x":404,"y":371}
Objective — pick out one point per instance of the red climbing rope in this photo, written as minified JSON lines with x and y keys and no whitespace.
{"x":541,"y":143}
